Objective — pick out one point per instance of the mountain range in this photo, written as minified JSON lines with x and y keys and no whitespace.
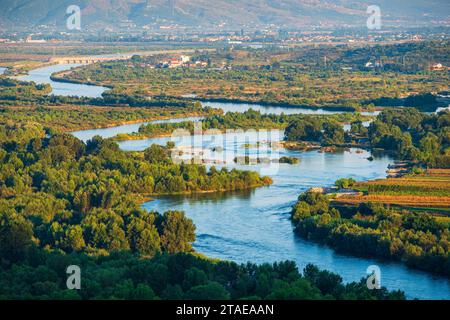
{"x":229,"y":14}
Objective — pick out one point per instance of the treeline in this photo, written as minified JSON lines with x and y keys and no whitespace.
{"x":413,"y":135}
{"x":249,"y":119}
{"x":19,"y":90}
{"x":13,"y":92}
{"x":372,"y":230}
{"x":408,"y":133}
{"x":72,"y":118}
{"x":314,"y":129}
{"x":409,"y":58}
{"x":86,"y":197}
{"x":122,"y":275}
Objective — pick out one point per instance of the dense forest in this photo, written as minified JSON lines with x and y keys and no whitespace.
{"x":407,"y":133}
{"x":420,"y":240}
{"x":13,"y":89}
{"x":21,"y":93}
{"x":42,"y":275}
{"x":314,"y":129}
{"x":86,"y":197}
{"x":63,"y":202}
{"x":413,"y":135}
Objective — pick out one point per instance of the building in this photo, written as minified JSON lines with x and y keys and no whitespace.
{"x":185,"y":59}
{"x":175,"y":63}
{"x":30,"y":40}
{"x":437,"y":67}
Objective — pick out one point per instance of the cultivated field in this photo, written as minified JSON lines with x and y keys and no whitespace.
{"x":428,"y":191}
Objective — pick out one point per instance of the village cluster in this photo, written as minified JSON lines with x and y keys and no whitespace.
{"x":176,"y":62}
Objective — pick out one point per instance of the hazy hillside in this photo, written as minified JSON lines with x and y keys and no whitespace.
{"x":228,"y":13}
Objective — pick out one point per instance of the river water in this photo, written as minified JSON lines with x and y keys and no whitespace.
{"x":254,"y":225}
{"x":240,"y":107}
{"x":105,"y":133}
{"x":42,"y":76}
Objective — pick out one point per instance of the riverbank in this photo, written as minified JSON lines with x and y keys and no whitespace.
{"x":148,"y":197}
{"x":397,"y":219}
{"x":59,"y":77}
{"x":23,"y":67}
{"x":248,"y":120}
{"x":335,"y":108}
{"x":69,"y":118}
{"x":140,"y":121}
{"x":43,"y":75}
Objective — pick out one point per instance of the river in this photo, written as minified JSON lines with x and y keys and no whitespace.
{"x":42,"y":76}
{"x":268,"y":109}
{"x":110,"y":132}
{"x":254,"y":225}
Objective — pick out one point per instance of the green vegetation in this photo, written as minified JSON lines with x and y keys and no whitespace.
{"x":20,"y":93}
{"x":312,"y":129}
{"x":407,"y":133}
{"x":67,"y":118}
{"x":413,"y":135}
{"x":24,"y":101}
{"x":12,"y":89}
{"x":122,"y":275}
{"x":64,"y":202}
{"x":411,"y":58}
{"x":297,"y":76}
{"x":289,"y":160}
{"x":345,"y":183}
{"x":250,"y":119}
{"x":421,"y":241}
{"x":86,"y":197}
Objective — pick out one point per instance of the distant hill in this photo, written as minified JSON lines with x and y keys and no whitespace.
{"x":229,"y":14}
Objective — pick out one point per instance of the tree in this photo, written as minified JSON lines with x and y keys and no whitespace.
{"x":143,"y":235}
{"x":178,"y":232}
{"x":308,"y":129}
{"x":156,"y":154}
{"x":143,"y":292}
{"x":429,"y":147}
{"x":73,"y":239}
{"x":357,"y":127}
{"x":210,"y":291}
{"x":333,"y":133}
{"x":15,"y":236}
